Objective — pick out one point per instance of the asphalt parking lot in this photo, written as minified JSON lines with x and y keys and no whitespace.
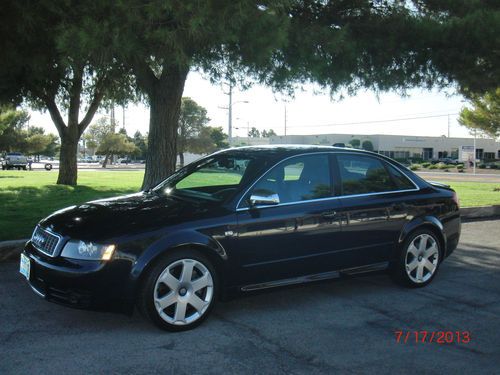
{"x":342,"y":326}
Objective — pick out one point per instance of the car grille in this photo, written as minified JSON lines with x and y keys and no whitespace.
{"x":45,"y":241}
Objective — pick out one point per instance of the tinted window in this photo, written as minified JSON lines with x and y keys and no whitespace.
{"x":402,"y":182}
{"x":215,"y":178}
{"x":363,"y":175}
{"x":297,"y":179}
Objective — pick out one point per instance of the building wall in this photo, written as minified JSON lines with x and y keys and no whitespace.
{"x":402,"y":146}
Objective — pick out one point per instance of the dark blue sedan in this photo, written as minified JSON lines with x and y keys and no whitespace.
{"x":240,"y":220}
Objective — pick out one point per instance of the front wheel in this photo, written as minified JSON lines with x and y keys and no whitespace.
{"x":419,"y":260}
{"x":179,"y":291}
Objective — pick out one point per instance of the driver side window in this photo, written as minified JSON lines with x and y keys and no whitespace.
{"x":300,"y":178}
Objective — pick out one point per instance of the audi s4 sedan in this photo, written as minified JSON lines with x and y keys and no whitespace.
{"x":240,"y":220}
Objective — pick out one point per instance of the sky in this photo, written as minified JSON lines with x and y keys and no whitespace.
{"x":310,"y":111}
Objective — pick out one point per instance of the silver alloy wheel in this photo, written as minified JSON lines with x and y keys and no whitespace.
{"x":422,"y":257}
{"x":183,"y":292}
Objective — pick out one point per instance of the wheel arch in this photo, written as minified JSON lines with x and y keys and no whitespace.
{"x":427,"y":222}
{"x":205,"y":245}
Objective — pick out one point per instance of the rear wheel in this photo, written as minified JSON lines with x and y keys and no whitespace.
{"x":179,"y":291}
{"x":419,"y":260}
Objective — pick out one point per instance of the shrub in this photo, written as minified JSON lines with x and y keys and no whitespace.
{"x":460,"y":167}
{"x":482,"y":166}
{"x":426,"y":164}
{"x":414,"y":167}
{"x":433,"y":166}
{"x":442,"y":166}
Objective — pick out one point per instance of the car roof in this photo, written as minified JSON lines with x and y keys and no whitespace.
{"x":285,"y":150}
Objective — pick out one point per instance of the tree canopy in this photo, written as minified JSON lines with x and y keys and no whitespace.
{"x":54,"y":57}
{"x":77,"y":54}
{"x":16,"y":135}
{"x":192,"y":122}
{"x":484,"y":114}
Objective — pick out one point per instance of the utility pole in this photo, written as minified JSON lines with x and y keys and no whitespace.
{"x":230,"y":114}
{"x":448,"y":125}
{"x":285,"y":122}
{"x":474,"y":160}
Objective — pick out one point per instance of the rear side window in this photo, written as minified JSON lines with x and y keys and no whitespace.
{"x":402,"y":182}
{"x":363,"y":175}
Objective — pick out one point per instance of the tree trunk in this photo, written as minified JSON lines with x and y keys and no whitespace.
{"x":68,"y":170}
{"x":165,"y":103}
{"x":181,"y":159}
{"x":105,"y":162}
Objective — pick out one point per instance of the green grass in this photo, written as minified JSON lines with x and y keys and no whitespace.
{"x":474,"y":194}
{"x":213,"y":178}
{"x":27,"y":197}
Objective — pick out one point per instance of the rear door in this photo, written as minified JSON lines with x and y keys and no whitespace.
{"x":373,"y":196}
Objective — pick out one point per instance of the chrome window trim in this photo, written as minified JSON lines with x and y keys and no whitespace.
{"x":240,"y":209}
{"x":56,"y":248}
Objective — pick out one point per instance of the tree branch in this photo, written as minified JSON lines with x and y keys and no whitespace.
{"x":55,"y":115}
{"x":75,"y":95}
{"x":94,"y":106}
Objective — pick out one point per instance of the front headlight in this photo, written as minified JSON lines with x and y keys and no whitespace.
{"x":87,"y":250}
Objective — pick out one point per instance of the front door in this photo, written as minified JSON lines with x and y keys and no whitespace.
{"x":297,"y":236}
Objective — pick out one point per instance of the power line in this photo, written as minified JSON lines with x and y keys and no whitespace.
{"x":373,"y":122}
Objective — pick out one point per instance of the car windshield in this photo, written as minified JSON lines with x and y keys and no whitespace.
{"x":215,"y":178}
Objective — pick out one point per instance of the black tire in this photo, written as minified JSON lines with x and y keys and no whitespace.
{"x":48,"y":167}
{"x":24,"y":168}
{"x":401,"y":269}
{"x":145,"y":298}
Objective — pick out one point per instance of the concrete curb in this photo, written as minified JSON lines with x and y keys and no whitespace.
{"x":10,"y":250}
{"x":480,"y":213}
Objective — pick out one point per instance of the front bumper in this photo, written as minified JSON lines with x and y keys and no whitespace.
{"x":83,"y":284}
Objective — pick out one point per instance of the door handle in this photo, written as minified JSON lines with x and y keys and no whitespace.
{"x":329,"y":214}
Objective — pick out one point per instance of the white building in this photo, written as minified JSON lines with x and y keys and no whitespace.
{"x":404,"y":146}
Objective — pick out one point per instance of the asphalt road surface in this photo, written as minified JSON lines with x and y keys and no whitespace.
{"x":343,"y":326}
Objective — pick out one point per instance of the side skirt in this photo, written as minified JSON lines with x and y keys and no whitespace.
{"x":317,"y":277}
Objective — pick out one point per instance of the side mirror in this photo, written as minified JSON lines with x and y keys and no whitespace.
{"x":264,"y":198}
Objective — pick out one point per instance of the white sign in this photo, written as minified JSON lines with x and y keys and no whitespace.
{"x":467,"y":153}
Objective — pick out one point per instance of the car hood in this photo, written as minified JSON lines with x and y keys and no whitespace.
{"x":129,"y":214}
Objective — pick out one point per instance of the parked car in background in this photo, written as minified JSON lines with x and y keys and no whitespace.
{"x":296,"y":214}
{"x":14,"y":160}
{"x":446,"y":161}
